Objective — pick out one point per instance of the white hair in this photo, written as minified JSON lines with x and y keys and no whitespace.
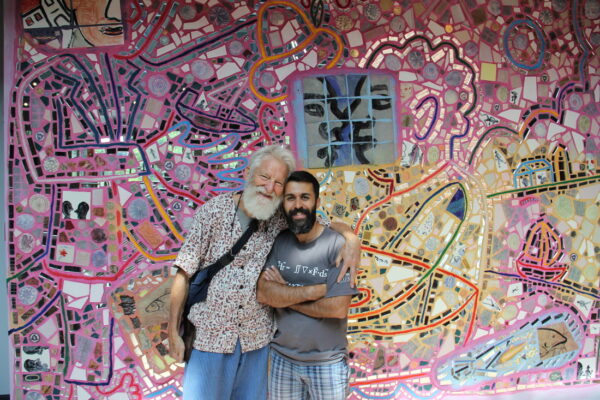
{"x":276,"y":151}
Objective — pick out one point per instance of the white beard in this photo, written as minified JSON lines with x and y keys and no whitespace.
{"x":258,"y":206}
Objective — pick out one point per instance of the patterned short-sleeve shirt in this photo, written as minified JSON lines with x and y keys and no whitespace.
{"x":230,"y":310}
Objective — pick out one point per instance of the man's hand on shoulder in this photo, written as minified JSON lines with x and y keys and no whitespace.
{"x":348,"y":258}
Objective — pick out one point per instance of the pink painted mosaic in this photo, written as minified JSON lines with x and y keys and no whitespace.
{"x":459,"y":138}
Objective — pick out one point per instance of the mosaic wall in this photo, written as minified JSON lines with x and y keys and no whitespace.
{"x":458,"y":137}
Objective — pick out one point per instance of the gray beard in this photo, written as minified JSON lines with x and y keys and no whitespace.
{"x":257,"y":206}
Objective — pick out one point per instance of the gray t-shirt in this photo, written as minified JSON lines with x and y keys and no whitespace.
{"x":300,"y":337}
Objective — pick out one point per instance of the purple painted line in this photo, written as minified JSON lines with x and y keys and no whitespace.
{"x":435,"y":116}
{"x":561,"y":93}
{"x":458,"y":137}
{"x":36,"y":316}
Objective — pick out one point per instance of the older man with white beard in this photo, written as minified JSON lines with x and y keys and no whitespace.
{"x":229,"y":358}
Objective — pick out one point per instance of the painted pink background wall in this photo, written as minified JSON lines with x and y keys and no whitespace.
{"x":458,"y":138}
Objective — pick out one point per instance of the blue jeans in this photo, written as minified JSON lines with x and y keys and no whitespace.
{"x":234,"y":376}
{"x":289,"y":380}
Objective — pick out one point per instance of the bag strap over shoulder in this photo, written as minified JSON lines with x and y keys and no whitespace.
{"x":200,"y":281}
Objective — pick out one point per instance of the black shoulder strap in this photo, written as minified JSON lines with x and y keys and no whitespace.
{"x":200,"y":282}
{"x":230,"y":255}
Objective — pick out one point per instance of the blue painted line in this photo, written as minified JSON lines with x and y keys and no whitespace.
{"x":395,"y":392}
{"x":540,"y":36}
{"x":164,"y":390}
{"x":36,"y":316}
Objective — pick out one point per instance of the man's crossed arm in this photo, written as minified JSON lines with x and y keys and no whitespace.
{"x":272,"y":290}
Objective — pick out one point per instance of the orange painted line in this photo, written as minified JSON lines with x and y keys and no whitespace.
{"x":314,"y":32}
{"x":365,"y":300}
{"x":145,"y":253}
{"x":424,"y":327}
{"x":472,"y":323}
{"x":413,"y":288}
{"x":150,"y":36}
{"x":161,"y":210}
{"x":387,"y":198}
{"x":389,"y":379}
{"x":533,"y":115}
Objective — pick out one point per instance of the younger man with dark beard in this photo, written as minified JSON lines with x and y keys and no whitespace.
{"x":308,"y":353}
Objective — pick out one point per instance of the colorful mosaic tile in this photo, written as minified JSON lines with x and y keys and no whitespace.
{"x":459,"y":138}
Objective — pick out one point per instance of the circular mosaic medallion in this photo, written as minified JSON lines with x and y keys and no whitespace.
{"x":372,"y":12}
{"x":416,"y":59}
{"x":575,"y":101}
{"x":39,"y":203}
{"x":187,"y":12}
{"x":219,"y":16}
{"x":390,"y":224}
{"x":430,"y":71}
{"x":450,"y":96}
{"x":583,"y":124}
{"x":98,"y":235}
{"x":138,"y":209}
{"x":546,"y":17}
{"x":344,"y":23}
{"x":471,"y":49}
{"x":202,"y":69}
{"x":454,"y":78}
{"x":34,"y":396}
{"x":183,"y":172}
{"x":267,"y":79}
{"x":362,"y":187}
{"x":236,"y":47}
{"x":158,"y":85}
{"x":502,"y":94}
{"x":25,"y":243}
{"x":392,"y":62}
{"x":51,"y":164}
{"x":176,"y":206}
{"x":40,"y":136}
{"x":397,"y":24}
{"x":27,"y":295}
{"x":25,"y":221}
{"x":99,"y":259}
